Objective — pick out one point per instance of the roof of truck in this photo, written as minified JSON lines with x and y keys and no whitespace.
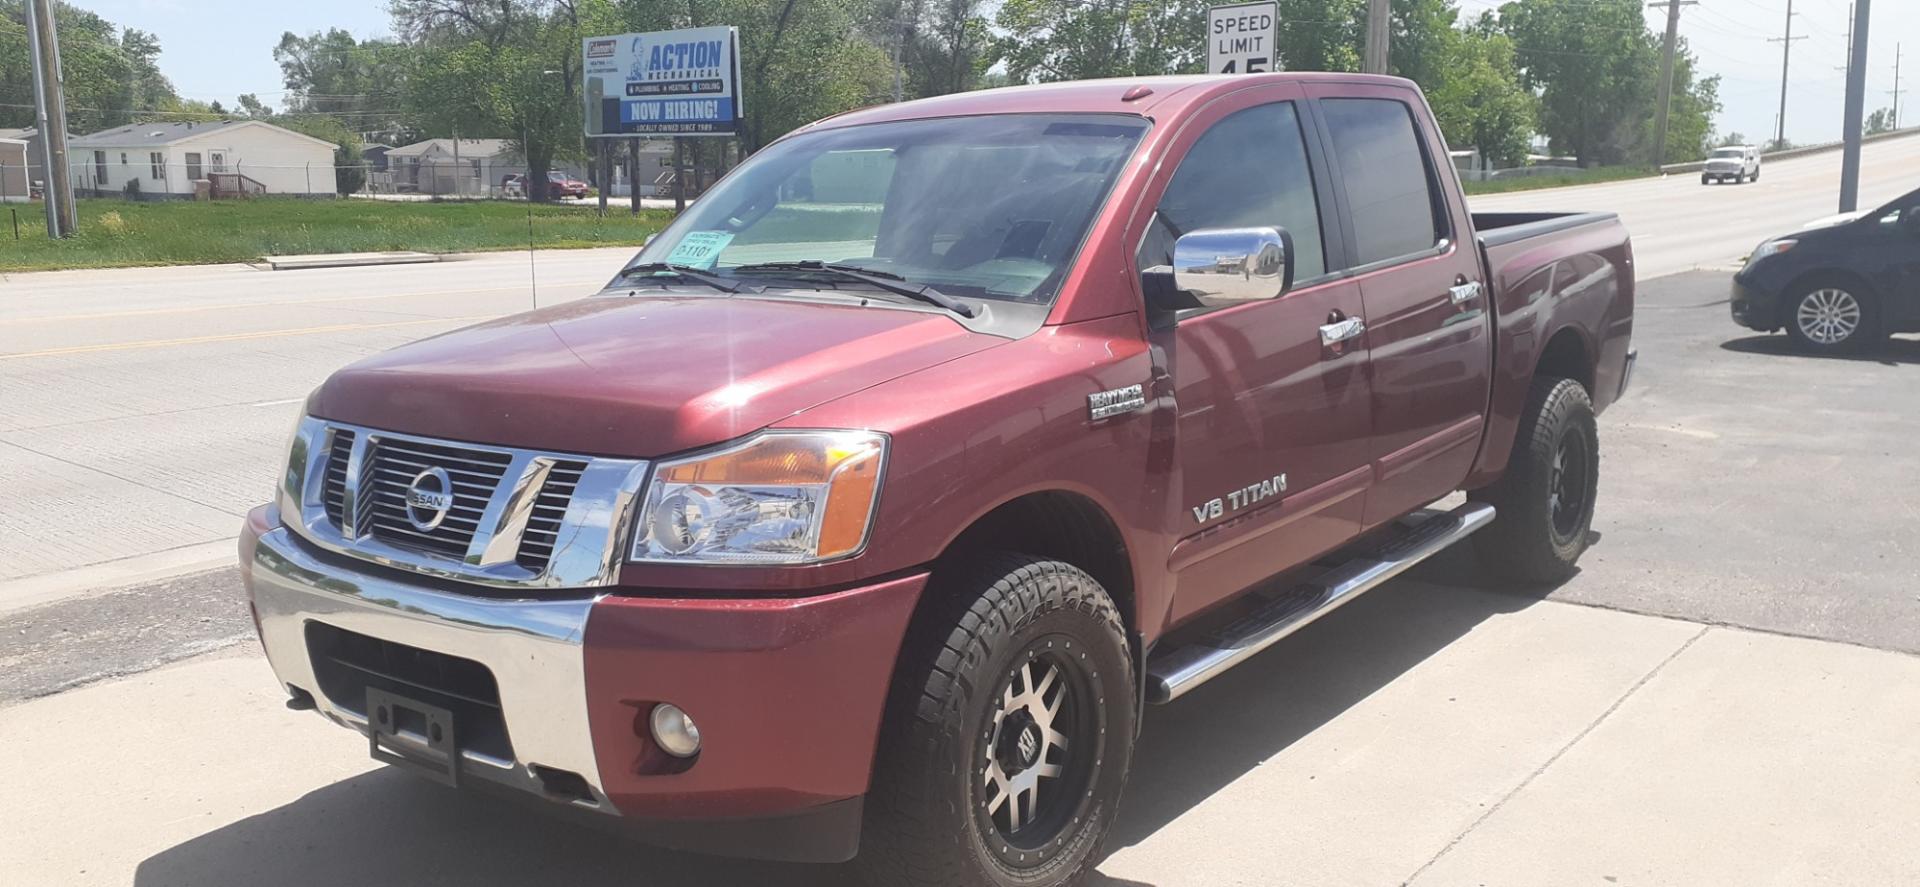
{"x":1117,"y":95}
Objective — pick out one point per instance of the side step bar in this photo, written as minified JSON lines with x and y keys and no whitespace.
{"x":1172,"y":672}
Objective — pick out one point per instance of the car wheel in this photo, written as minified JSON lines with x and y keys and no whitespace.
{"x":1543,"y":503}
{"x":1008,"y":733}
{"x":1832,"y":317}
{"x":1756,"y":175}
{"x":1706,"y":180}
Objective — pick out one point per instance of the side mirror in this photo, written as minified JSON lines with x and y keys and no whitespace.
{"x":1225,"y":266}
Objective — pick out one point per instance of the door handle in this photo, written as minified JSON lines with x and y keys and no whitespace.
{"x":1464,"y":293}
{"x":1339,"y":331}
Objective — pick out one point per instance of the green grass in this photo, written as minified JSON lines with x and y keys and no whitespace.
{"x":1581,"y":177}
{"x":119,"y":234}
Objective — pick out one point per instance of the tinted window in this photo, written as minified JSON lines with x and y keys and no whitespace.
{"x":1249,"y":170}
{"x":1389,"y":183}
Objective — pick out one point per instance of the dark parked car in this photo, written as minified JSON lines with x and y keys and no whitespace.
{"x":1837,"y":287}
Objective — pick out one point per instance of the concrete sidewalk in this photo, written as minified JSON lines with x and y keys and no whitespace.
{"x":1424,"y":733}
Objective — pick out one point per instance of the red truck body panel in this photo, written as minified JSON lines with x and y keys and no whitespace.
{"x":786,"y":668}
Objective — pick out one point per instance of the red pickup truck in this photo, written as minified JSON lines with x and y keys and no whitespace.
{"x":867,"y":509}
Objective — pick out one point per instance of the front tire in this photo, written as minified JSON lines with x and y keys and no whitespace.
{"x":1009,"y":731}
{"x":1544,"y":502}
{"x":1833,"y":317}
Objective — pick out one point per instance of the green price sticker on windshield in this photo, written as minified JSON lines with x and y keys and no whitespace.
{"x":700,"y":249}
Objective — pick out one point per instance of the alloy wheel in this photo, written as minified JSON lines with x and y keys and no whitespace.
{"x":1828,"y":316}
{"x":1040,"y":752}
{"x":1567,"y":486}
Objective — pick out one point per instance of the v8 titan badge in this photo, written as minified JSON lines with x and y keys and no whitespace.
{"x":1214,"y":509}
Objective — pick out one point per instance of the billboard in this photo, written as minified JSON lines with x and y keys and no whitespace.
{"x":663,"y":83}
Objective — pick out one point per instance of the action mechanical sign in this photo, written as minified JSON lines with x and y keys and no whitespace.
{"x":676,"y":83}
{"x":1241,"y":37}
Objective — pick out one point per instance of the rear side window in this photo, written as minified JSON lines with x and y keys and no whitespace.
{"x":1249,"y":170}
{"x":1389,"y":180}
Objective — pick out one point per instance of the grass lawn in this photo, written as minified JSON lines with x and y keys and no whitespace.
{"x":118,"y":233}
{"x":1581,"y":177}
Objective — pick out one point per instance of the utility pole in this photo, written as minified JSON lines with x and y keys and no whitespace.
{"x":50,"y":106}
{"x":1856,"y":107}
{"x":1666,"y":76}
{"x":1379,"y":29}
{"x":1896,"y":85}
{"x":1786,"y":61}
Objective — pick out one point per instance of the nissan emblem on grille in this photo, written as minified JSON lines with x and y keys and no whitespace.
{"x":429,"y":498}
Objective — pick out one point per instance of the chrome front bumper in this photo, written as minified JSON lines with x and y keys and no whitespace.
{"x":532,"y":647}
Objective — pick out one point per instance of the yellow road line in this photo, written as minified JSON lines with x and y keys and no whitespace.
{"x":188,"y":309}
{"x":235,"y":337}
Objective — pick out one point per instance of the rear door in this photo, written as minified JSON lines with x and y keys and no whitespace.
{"x":1271,"y":420}
{"x":1411,"y":249}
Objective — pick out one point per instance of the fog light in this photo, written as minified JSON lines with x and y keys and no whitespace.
{"x":674,"y":731}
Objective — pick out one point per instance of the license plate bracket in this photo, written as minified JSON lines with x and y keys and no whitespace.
{"x":412,"y":735}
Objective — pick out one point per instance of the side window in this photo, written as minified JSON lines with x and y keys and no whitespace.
{"x":1248,"y":170}
{"x":1389,"y":180}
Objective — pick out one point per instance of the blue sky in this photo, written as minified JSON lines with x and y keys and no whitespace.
{"x":217,"y":49}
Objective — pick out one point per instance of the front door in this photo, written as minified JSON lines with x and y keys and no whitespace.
{"x":1428,"y":331}
{"x":1268,"y":415}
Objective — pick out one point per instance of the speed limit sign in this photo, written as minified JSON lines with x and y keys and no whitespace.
{"x":1240,"y":38}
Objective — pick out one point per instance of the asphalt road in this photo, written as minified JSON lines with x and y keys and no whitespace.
{"x":1680,"y":224}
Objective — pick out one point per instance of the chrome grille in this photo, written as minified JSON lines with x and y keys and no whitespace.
{"x":392,"y":465}
{"x":518,"y":518}
{"x":335,"y":485}
{"x":549,"y":510}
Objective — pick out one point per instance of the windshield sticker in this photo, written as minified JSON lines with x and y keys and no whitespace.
{"x":700,"y":249}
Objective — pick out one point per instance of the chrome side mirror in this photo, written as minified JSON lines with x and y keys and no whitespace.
{"x":1224,"y":266}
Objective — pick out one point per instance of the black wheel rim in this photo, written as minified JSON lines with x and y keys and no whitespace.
{"x":1041,"y":748}
{"x":1568,"y":486}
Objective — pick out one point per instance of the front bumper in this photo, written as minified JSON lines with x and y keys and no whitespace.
{"x":788,"y":693}
{"x":1752,"y":306}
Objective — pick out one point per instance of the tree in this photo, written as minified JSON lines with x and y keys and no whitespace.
{"x":1880,"y":121}
{"x":1075,"y":40}
{"x":502,"y":67}
{"x":250,"y":105}
{"x":1732,"y":140}
{"x":1477,"y":98}
{"x":109,"y":73}
{"x":1690,"y":119}
{"x":349,"y":169}
{"x":360,"y":82}
{"x":1594,"y":64}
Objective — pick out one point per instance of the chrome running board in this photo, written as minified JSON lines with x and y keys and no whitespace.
{"x":1172,"y":672}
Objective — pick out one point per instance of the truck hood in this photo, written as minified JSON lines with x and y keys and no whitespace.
{"x":637,"y":376}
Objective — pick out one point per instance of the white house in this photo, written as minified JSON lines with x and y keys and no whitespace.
{"x":471,"y":167}
{"x":239,"y":157}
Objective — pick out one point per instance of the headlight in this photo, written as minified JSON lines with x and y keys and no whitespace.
{"x":779,"y":498}
{"x":1770,"y":248}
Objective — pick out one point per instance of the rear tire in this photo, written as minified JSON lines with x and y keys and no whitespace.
{"x":1009,"y":731}
{"x":1544,"y":502}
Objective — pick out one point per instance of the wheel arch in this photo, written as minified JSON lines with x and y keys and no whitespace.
{"x":1059,"y":524}
{"x":1567,"y":355}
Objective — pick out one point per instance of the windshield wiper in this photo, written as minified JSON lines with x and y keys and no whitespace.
{"x":885,"y":280}
{"x":685,"y":272}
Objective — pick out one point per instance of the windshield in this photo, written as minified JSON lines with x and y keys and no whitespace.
{"x":986,"y":207}
{"x":1730,"y":152}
